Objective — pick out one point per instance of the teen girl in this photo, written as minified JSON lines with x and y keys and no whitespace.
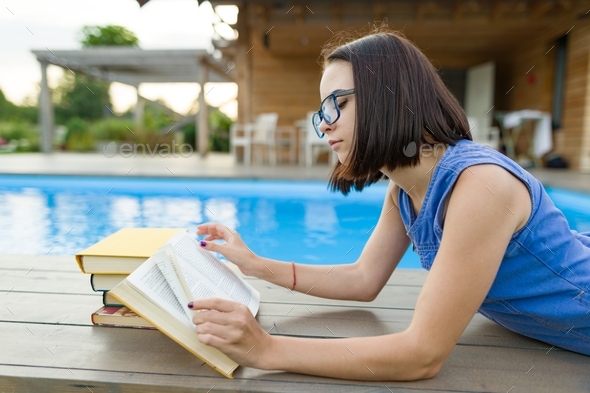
{"x":487,"y":231}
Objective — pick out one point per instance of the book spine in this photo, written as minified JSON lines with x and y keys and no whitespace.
{"x":79,"y":262}
{"x":123,"y":326}
{"x":92,"y":283}
{"x":106,"y":303}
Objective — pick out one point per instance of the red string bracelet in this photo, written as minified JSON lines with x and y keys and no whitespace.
{"x":294,"y":276}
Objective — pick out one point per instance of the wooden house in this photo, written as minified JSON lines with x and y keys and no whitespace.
{"x":526,"y":54}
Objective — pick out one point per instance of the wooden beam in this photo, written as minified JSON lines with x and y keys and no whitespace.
{"x":522,"y":6}
{"x":379,"y":11}
{"x":202,"y":136}
{"x":460,"y":8}
{"x":566,"y":5}
{"x":261,"y":11}
{"x":336,"y":9}
{"x":425,"y":8}
{"x":243,"y":66}
{"x":45,"y":111}
{"x":218,"y":69}
{"x":499,"y":8}
{"x":299,"y":13}
{"x":540,"y":9}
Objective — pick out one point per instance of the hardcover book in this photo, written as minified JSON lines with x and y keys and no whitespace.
{"x":123,"y":251}
{"x":110,"y":300}
{"x":105,"y":282}
{"x":181,"y":271}
{"x":119,"y":317}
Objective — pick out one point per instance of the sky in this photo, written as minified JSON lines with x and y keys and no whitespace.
{"x":56,"y":24}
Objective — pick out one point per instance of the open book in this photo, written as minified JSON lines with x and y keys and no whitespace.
{"x":181,"y":271}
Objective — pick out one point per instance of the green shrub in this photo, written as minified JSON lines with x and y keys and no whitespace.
{"x":25,"y":134}
{"x":219,"y":125}
{"x":78,"y":136}
{"x":153,"y":138}
{"x":114,"y":129}
{"x":156,"y":117}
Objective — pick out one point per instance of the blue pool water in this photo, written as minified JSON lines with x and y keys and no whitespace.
{"x":299,"y":221}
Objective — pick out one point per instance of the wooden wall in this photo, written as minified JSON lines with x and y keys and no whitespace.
{"x":575,"y":143}
{"x":524,"y":79}
{"x":287,"y":85}
{"x":281,"y":74}
{"x":534,"y":89}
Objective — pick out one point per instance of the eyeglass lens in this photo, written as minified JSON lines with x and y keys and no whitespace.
{"x":328,"y":113}
{"x":329,"y":110}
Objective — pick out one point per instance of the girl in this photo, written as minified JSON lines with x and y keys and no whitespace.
{"x":487,"y":231}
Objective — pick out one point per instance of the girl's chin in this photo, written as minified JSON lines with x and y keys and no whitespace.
{"x":341,"y":158}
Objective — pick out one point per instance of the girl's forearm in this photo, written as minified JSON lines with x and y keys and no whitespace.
{"x":344,"y":282}
{"x":384,"y":358}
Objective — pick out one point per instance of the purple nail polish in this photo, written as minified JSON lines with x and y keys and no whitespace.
{"x":190,"y":305}
{"x":203,"y":243}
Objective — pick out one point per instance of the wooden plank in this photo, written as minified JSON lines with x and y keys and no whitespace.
{"x":39,"y":262}
{"x":56,"y":349}
{"x":44,"y":281}
{"x":48,"y":379}
{"x":59,"y":350}
{"x":31,"y":265}
{"x":392,"y":296}
{"x":294,"y":320}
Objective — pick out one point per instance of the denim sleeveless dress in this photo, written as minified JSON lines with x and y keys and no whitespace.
{"x":542,"y":289}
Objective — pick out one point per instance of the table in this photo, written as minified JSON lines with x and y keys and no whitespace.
{"x":511,"y":123}
{"x":48,"y":343}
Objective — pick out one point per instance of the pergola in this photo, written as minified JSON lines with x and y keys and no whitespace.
{"x":133,"y":66}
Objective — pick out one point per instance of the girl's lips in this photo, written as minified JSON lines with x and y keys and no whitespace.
{"x":333,"y":143}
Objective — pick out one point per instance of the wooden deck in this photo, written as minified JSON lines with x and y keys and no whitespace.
{"x":48,"y":344}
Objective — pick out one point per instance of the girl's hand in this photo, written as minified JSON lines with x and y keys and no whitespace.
{"x":234,"y":249}
{"x":230,"y":327}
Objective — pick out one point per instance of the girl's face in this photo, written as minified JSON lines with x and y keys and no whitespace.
{"x":338,"y":76}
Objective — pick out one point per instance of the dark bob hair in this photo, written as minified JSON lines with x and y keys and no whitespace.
{"x":400,"y":99}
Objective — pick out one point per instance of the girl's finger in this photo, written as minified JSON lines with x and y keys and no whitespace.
{"x":205,"y":316}
{"x":211,"y":339}
{"x":212,"y":304}
{"x":213,"y":330}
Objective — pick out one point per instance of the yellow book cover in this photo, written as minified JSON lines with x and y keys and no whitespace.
{"x":181,"y":271}
{"x":123,"y":251}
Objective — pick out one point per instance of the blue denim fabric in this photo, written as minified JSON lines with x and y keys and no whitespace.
{"x":542,"y":289}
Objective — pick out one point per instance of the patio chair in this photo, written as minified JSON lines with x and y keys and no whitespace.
{"x":259,"y":134}
{"x":313,"y":146}
{"x":489,"y":137}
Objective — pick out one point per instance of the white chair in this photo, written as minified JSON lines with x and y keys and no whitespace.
{"x":313,"y":146}
{"x":489,"y":137}
{"x":260,"y":133}
{"x":286,"y":139}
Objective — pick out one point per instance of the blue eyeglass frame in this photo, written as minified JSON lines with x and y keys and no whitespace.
{"x":319,"y":115}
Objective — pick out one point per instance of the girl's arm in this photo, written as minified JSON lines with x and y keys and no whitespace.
{"x":482,"y":215}
{"x":362,"y":280}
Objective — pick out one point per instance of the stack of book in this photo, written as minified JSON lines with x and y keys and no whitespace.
{"x":148,"y":277}
{"x":111,"y":260}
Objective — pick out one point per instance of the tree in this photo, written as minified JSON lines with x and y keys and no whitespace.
{"x":110,"y":35}
{"x":16,"y":113}
{"x":84,"y":97}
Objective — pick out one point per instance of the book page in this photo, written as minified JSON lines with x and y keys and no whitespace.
{"x":149,"y":279}
{"x":165,"y":261}
{"x":208,"y":277}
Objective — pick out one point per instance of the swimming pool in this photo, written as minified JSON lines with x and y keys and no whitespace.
{"x":286,"y":220}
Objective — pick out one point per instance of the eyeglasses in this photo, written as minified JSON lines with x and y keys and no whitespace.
{"x":329,"y":110}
